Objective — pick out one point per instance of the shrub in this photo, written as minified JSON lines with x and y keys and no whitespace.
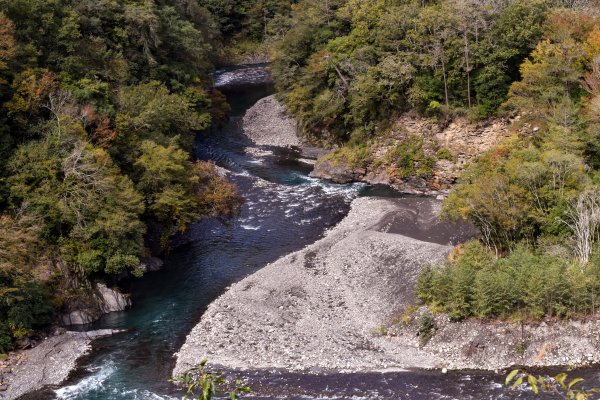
{"x":6,"y":340}
{"x":353,"y":156}
{"x":444,"y":154}
{"x":427,"y":328}
{"x":527,"y":284}
{"x":24,"y":306}
{"x":409,"y":158}
{"x":434,"y":108}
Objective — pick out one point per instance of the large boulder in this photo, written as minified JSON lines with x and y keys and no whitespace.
{"x":153,"y":264}
{"x":337,"y":172}
{"x":111,"y":300}
{"x":78,"y":317}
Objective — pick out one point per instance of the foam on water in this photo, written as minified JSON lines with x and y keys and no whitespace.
{"x":250,"y":227}
{"x":88,"y":384}
{"x":137,"y":394}
{"x":252,"y":74}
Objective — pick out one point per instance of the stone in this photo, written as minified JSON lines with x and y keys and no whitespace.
{"x":111,"y":300}
{"x":77,"y":317}
{"x":49,"y":363}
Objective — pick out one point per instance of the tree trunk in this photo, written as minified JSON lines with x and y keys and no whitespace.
{"x":445,"y":82}
{"x":468,"y":69}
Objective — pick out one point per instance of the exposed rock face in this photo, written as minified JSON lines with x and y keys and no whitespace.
{"x":267,"y":124}
{"x":484,"y":345}
{"x":462,"y":139}
{"x":78,"y":317}
{"x":103,"y":301}
{"x":50,"y":363}
{"x":111,"y":300}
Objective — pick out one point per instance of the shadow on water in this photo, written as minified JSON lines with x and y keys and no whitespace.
{"x":284,"y":211}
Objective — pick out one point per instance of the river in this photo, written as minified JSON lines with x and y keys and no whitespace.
{"x":284,"y":211}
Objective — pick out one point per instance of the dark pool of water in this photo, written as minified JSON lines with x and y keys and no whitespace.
{"x":284,"y":211}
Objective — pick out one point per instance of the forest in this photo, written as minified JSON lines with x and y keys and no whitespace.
{"x":100,"y":101}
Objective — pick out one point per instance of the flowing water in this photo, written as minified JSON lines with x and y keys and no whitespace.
{"x":284,"y":211}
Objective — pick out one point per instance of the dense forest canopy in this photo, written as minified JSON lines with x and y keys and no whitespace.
{"x":100,"y":101}
{"x":346,"y":67}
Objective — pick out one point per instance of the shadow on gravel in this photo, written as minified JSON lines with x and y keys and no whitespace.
{"x":417,"y":218}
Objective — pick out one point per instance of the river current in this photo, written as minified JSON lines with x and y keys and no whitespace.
{"x":284,"y":211}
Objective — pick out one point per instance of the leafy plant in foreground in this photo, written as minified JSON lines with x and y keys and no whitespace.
{"x":559,"y":385}
{"x":202,"y":384}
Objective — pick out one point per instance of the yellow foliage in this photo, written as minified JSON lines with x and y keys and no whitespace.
{"x":592,"y":44}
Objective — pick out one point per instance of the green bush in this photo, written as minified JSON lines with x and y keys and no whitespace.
{"x":444,"y":154}
{"x":434,"y":108}
{"x":409,"y":158}
{"x":527,"y":284}
{"x":353,"y":156}
{"x":6,"y":340}
{"x":24,"y":306}
{"x":427,"y":328}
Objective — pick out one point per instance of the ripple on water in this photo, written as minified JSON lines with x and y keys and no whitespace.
{"x":89,"y":384}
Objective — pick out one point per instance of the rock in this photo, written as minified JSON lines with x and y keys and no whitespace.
{"x":337,"y":172}
{"x":267,"y":124}
{"x":103,"y":301}
{"x":26,"y":343}
{"x":153,"y":264}
{"x":111,"y":300}
{"x":50,"y":363}
{"x":77,"y":317}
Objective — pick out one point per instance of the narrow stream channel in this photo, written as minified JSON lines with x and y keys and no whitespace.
{"x":284,"y":211}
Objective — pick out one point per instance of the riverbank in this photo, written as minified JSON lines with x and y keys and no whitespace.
{"x":439,"y":151}
{"x":267,"y":124}
{"x":49,"y":363}
{"x":345,"y":303}
{"x":415,"y":154}
{"x":323,"y":307}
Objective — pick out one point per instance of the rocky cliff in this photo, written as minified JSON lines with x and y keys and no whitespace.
{"x":101,"y":300}
{"x":446,"y":149}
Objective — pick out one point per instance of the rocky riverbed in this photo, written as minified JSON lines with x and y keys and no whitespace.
{"x":49,"y":363}
{"x":346,"y":302}
{"x":320,"y":308}
{"x":267,"y":124}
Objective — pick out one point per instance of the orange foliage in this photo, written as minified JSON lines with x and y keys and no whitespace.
{"x":103,"y":135}
{"x":319,"y":62}
{"x":32,"y":88}
{"x":563,"y":24}
{"x":592,"y":43}
{"x":100,"y":126}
